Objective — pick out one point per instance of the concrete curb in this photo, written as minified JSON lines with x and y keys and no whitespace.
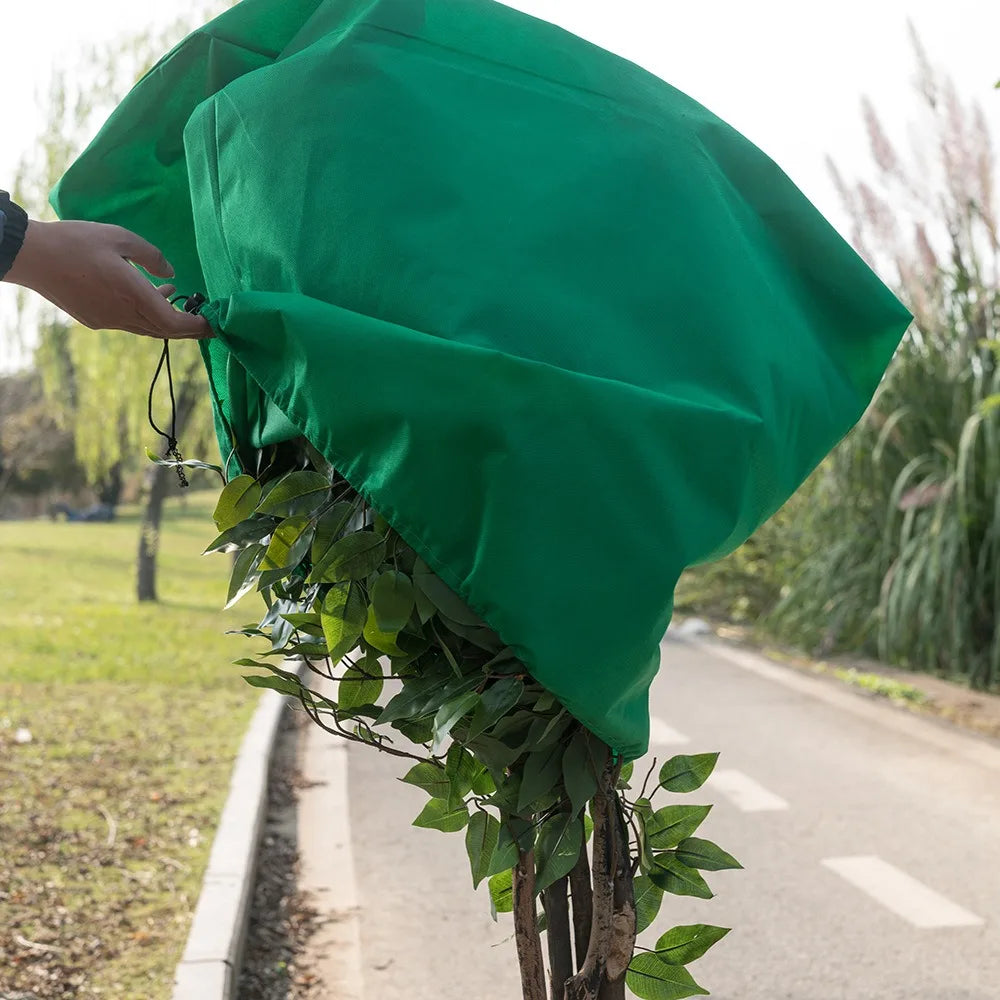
{"x":210,"y":966}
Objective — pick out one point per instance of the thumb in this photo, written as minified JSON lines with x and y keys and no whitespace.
{"x":139,"y":251}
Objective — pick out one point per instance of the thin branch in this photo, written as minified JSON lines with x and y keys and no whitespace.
{"x":649,"y":774}
{"x":338,"y":730}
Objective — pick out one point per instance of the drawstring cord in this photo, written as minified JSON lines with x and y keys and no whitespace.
{"x":192,"y":303}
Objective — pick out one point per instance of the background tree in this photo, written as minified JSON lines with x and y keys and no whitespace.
{"x":97,"y":381}
{"x":36,"y":455}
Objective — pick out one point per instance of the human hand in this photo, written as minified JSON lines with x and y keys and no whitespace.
{"x":84,"y":269}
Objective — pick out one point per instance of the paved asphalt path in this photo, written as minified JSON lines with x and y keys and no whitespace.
{"x":871,"y":841}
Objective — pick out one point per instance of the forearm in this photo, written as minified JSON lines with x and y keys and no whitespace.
{"x":13,"y":226}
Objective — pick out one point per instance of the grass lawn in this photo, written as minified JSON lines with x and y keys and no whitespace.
{"x":135,"y":713}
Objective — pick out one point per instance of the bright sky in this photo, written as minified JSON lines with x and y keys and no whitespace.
{"x":789,"y":74}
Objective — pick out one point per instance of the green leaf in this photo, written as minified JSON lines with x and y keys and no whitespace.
{"x":425,"y":606}
{"x":479,"y":635}
{"x":506,"y":853}
{"x":687,"y":773}
{"x":703,"y":854}
{"x":306,"y":650}
{"x":296,"y":493}
{"x":244,"y":573}
{"x":497,"y":700}
{"x":523,"y":828}
{"x":411,"y":644}
{"x":545,"y":732}
{"x":440,"y":814}
{"x":579,"y":775}
{"x":393,"y":600}
{"x":542,"y":771}
{"x":352,"y":557}
{"x":281,"y":630}
{"x":274,"y":682}
{"x":357,"y":687}
{"x":449,"y":655}
{"x":682,"y":945}
{"x":289,"y":544}
{"x":253,"y":529}
{"x":560,"y":841}
{"x":424,"y":695}
{"x":650,"y":978}
{"x":648,"y":899}
{"x":482,"y":782}
{"x":431,"y":778}
{"x":677,"y":878}
{"x":310,"y":623}
{"x":667,"y":827}
{"x":545,"y":702}
{"x":442,"y":596}
{"x":449,"y":714}
{"x":343,"y":615}
{"x":420,"y":733}
{"x":501,"y":888}
{"x":318,"y":459}
{"x":460,"y":770}
{"x":384,"y":642}
{"x":481,"y":843}
{"x":237,"y":502}
{"x":328,"y":529}
{"x":626,"y":775}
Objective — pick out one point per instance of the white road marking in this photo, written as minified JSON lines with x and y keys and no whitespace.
{"x":903,"y":894}
{"x":662,"y":735}
{"x":745,"y":793}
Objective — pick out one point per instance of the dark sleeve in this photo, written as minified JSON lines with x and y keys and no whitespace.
{"x":13,"y":226}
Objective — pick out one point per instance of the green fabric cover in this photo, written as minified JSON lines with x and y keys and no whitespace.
{"x":567,"y":330}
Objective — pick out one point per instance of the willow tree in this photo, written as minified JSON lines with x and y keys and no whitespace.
{"x":97,"y":382}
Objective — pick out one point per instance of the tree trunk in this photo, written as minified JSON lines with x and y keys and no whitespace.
{"x":583,"y":905}
{"x":556,"y":903}
{"x":586,"y":984}
{"x":623,"y":934}
{"x":529,"y":945}
{"x":157,"y":484}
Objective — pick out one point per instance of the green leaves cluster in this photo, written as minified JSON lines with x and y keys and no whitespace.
{"x":660,"y":974}
{"x":418,"y":668}
{"x":414,"y":671}
{"x":671,"y":860}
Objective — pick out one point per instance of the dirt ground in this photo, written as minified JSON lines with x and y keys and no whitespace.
{"x":281,"y":919}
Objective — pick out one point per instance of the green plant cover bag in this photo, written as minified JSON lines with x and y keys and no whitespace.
{"x":567,"y":330}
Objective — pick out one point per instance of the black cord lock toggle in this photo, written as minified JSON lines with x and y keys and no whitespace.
{"x":192,"y":304}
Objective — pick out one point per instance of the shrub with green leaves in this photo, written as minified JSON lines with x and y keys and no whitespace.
{"x":408,"y":668}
